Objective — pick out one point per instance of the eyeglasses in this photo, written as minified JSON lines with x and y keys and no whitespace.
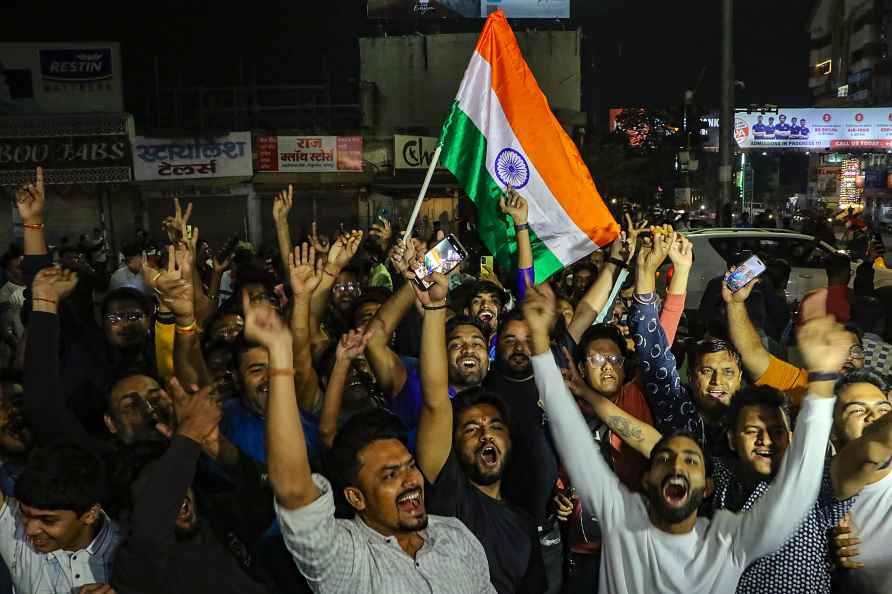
{"x":856,"y":352}
{"x":131,"y":316}
{"x":346,"y":288}
{"x":599,"y":359}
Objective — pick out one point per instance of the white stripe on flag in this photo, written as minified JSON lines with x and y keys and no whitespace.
{"x":551,"y":223}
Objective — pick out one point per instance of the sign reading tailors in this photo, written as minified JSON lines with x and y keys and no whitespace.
{"x":166,"y":159}
{"x":413,"y":152}
{"x":816,"y":129}
{"x":302,"y":154}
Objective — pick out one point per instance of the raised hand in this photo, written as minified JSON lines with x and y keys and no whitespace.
{"x":303,"y":271}
{"x":264,"y":326}
{"x":844,"y":545}
{"x":401,"y":254}
{"x":623,"y":248}
{"x":173,"y":285}
{"x":651,"y":257}
{"x":30,"y":200}
{"x":353,"y":343}
{"x":436,"y":293}
{"x":282,"y":204}
{"x":320,"y":244}
{"x":572,"y":377}
{"x":742,"y":294}
{"x":539,"y":310}
{"x":824,"y":344}
{"x":198,"y":415}
{"x":53,"y":284}
{"x":342,"y":251}
{"x":514,"y":205}
{"x":381,"y":232}
{"x":681,"y":252}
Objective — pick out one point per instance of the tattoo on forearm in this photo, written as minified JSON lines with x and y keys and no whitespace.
{"x":625,"y":428}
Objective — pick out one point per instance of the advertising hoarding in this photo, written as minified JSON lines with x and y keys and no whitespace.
{"x":815,"y":128}
{"x":77,"y":77}
{"x":301,"y":154}
{"x":434,"y":9}
{"x":166,"y":159}
{"x":413,"y":152}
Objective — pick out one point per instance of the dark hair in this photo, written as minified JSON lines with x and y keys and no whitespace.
{"x":755,"y":396}
{"x":837,"y":266}
{"x":128,"y":294}
{"x":601,"y":332}
{"x":481,"y":287}
{"x":131,"y":250}
{"x":457,"y":321}
{"x":707,"y":458}
{"x":63,"y":476}
{"x":856,"y":330}
{"x":370,"y":295}
{"x":707,"y":346}
{"x":515,"y":315}
{"x":342,"y":461}
{"x":241,"y":346}
{"x":477,"y":396}
{"x":252,"y":276}
{"x":778,"y":272}
{"x":860,"y":376}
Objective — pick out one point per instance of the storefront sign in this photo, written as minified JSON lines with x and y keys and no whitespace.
{"x":79,"y":77}
{"x":156,"y":159}
{"x":413,"y":152}
{"x":309,"y":153}
{"x":827,"y":129}
{"x":71,"y":149}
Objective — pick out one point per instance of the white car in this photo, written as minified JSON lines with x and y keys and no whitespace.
{"x":713,"y":245}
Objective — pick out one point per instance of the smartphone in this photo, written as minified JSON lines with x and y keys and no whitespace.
{"x":745,"y":273}
{"x":486,"y":262}
{"x":189,"y":232}
{"x":383,"y":214}
{"x":442,"y":258}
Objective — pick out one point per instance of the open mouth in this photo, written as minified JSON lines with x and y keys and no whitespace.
{"x":675,"y":491}
{"x":764,"y":454}
{"x":469,"y":363}
{"x":718,"y":395}
{"x":519,"y":359}
{"x":411,"y":501}
{"x":488,"y":456}
{"x":485,"y":316}
{"x":608,"y":377}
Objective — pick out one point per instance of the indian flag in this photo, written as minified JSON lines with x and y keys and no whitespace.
{"x":501,"y":132}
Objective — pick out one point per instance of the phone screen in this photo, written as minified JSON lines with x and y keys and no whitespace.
{"x":745,"y":273}
{"x":442,"y":258}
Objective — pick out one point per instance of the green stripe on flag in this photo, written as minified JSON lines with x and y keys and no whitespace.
{"x":464,"y":154}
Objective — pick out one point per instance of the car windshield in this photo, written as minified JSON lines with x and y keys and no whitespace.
{"x":797,"y":251}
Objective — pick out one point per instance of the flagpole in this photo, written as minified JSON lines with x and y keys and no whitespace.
{"x":421,"y":194}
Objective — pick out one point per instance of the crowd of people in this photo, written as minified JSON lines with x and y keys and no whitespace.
{"x":314,"y":418}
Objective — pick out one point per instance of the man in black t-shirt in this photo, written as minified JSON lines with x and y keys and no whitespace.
{"x":463,"y":448}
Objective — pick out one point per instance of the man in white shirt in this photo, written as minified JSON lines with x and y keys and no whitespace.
{"x":863,"y":437}
{"x":130,"y":274}
{"x":656,"y":542}
{"x":54,"y":536}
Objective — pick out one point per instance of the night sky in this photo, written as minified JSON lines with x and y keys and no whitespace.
{"x":638,"y":53}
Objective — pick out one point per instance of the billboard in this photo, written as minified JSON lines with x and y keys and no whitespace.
{"x":302,"y":154}
{"x":169,"y":159}
{"x":413,"y":152}
{"x":78,"y":77}
{"x":816,"y":129}
{"x":473,"y":9}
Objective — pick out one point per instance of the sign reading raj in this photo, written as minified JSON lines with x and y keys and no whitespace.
{"x":309,"y":153}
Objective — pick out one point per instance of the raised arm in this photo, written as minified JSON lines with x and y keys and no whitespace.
{"x":389,"y":370}
{"x":824,"y":345}
{"x":636,"y":433}
{"x":515,"y":206}
{"x":30,"y":200}
{"x":435,"y":423}
{"x":742,"y":333}
{"x":349,"y":348}
{"x":287,"y":459}
{"x":669,"y":400}
{"x":173,"y":286}
{"x":681,"y":252}
{"x":597,"y":485}
{"x":304,"y":279}
{"x":281,"y":207}
{"x":340,"y":252}
{"x":595,"y":299}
